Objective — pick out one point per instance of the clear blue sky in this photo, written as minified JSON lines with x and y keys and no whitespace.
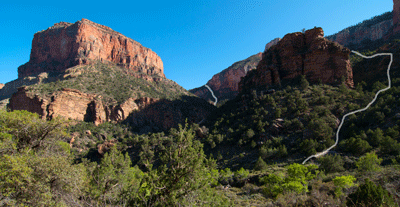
{"x":195,"y":39}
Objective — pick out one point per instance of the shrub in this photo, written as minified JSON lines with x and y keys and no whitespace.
{"x":369,"y":194}
{"x":331,"y":163}
{"x":308,"y":146}
{"x":369,"y":162}
{"x":260,"y":164}
{"x":343,"y":182}
{"x":296,"y":180}
{"x":303,"y":82}
{"x":356,"y":146}
{"x":241,"y":173}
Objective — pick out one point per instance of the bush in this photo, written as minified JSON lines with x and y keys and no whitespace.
{"x":331,"y":163}
{"x":370,"y":163}
{"x":343,"y":182}
{"x":369,"y":194}
{"x":356,"y":146}
{"x":308,"y":146}
{"x":260,"y":165}
{"x":296,"y":180}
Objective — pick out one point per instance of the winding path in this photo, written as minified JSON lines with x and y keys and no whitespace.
{"x":363,"y":109}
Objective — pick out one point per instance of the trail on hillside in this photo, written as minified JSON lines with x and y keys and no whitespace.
{"x":212,"y":93}
{"x":360,"y":110}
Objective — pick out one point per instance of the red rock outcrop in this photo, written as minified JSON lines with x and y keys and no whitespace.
{"x":297,"y":54}
{"x":73,"y":104}
{"x":1,"y":86}
{"x":65,"y":45}
{"x":142,"y":112}
{"x":396,"y":16}
{"x":225,"y":83}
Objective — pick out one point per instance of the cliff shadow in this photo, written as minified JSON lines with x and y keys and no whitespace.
{"x":166,"y":114}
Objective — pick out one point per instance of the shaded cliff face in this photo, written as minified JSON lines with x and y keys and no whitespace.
{"x":297,"y":54}
{"x":65,"y":45}
{"x":373,"y":29}
{"x":225,"y":83}
{"x":396,"y":16}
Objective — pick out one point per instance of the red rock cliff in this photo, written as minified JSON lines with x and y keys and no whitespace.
{"x":225,"y":83}
{"x":297,"y":54}
{"x":65,"y":45}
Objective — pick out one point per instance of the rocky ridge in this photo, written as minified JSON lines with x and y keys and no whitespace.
{"x":65,"y":45}
{"x":308,"y":54}
{"x":225,"y":83}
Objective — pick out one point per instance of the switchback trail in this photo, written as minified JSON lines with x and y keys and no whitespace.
{"x":376,"y":95}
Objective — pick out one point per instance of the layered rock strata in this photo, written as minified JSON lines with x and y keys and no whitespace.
{"x":65,"y":45}
{"x":74,"y":104}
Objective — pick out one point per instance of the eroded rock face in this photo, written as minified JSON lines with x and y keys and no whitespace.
{"x":74,"y":104}
{"x":152,"y":113}
{"x":297,"y":54}
{"x":1,"y":86}
{"x":225,"y":83}
{"x":65,"y":45}
{"x":396,"y":16}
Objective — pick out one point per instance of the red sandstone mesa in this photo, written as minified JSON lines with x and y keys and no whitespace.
{"x":297,"y":54}
{"x":65,"y":45}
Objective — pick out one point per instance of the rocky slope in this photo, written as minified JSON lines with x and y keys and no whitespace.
{"x":1,"y":86}
{"x":298,"y":54}
{"x":65,"y":45}
{"x":225,"y":83}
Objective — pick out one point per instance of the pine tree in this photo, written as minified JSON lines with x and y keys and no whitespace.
{"x":260,"y":165}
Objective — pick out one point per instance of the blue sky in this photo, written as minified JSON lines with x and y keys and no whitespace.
{"x":195,"y":39}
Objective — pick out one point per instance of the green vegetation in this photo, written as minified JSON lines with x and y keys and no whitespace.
{"x":343,"y":182}
{"x":114,"y":84}
{"x":369,"y":194}
{"x":247,"y":153}
{"x":369,"y":163}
